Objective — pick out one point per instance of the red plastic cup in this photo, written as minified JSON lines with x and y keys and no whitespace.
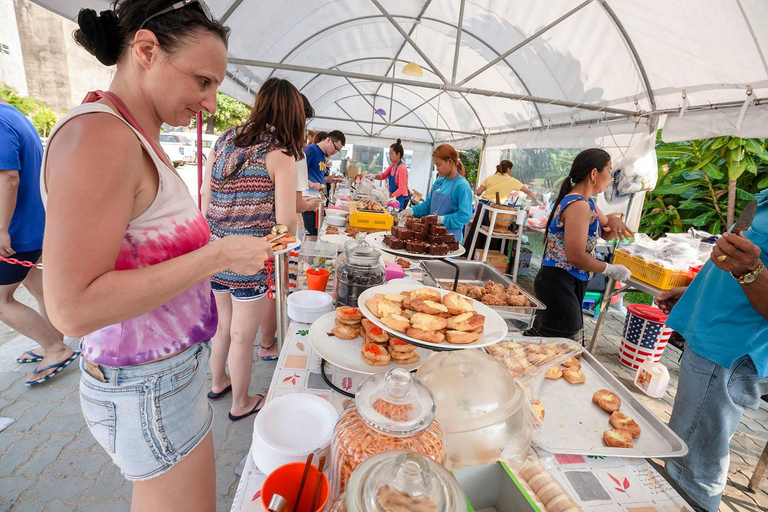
{"x":317,"y":279}
{"x":286,"y":480}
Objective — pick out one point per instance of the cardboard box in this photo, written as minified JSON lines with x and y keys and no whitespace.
{"x":495,"y":258}
{"x":493,"y":488}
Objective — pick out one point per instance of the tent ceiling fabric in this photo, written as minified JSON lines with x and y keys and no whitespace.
{"x":519,"y":65}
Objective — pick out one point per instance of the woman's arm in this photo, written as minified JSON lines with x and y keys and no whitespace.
{"x":530,"y":194}
{"x":205,"y":188}
{"x":576,"y":220}
{"x":97,"y":171}
{"x":282,"y":170}
{"x":480,"y":190}
{"x":385,"y":174}
{"x":422,"y":209}
{"x":613,"y":226}
{"x":462,"y":203}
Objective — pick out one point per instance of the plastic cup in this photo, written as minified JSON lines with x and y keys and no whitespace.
{"x":317,"y":279}
{"x":286,"y":480}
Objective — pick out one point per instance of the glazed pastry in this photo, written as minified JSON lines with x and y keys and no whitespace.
{"x":348,"y":315}
{"x":606,"y":400}
{"x":403,"y":357}
{"x":397,"y":299}
{"x":456,"y":304}
{"x":465,"y":322}
{"x":428,"y":336}
{"x":554,"y":373}
{"x":375,"y":333}
{"x":426,"y":294}
{"x":427,"y":322}
{"x":616,"y":438}
{"x":396,"y":322}
{"x":429,"y":307}
{"x":623,"y":422}
{"x":343,"y":332}
{"x":375,"y":355}
{"x":382,"y":308}
{"x":574,"y":375}
{"x":460,"y":337}
{"x":572,"y":362}
{"x":401,"y":346}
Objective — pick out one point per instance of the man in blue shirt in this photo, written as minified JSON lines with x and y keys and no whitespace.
{"x":22,"y":221}
{"x":317,"y":154}
{"x":723,"y":316}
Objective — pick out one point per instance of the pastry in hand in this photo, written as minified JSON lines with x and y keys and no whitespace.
{"x":621,"y":421}
{"x":465,"y":322}
{"x":396,"y":322}
{"x":344,"y":332}
{"x":348,"y":315}
{"x":554,"y":373}
{"x":574,"y":375}
{"x":616,"y":438}
{"x":457,"y":304}
{"x":572,"y":362}
{"x":607,"y":400}
{"x":427,"y":322}
{"x":428,"y":336}
{"x":461,"y":337}
{"x":375,"y":355}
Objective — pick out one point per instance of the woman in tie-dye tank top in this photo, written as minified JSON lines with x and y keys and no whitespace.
{"x":249,"y":186}
{"x":129,"y":254}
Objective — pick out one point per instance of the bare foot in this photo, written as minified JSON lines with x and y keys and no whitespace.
{"x":269,"y":353}
{"x":51,"y":357}
{"x":240,"y":409}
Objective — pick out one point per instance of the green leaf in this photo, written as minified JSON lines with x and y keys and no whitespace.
{"x":736,"y":169}
{"x":702,"y":219}
{"x":763,"y":183}
{"x":743,"y":195}
{"x":734,"y":143}
{"x":715,"y":227}
{"x":672,"y":189}
{"x":674,"y":151}
{"x":692,"y":175}
{"x":751,"y":166}
{"x":736,"y":155}
{"x":720,"y":142}
{"x":713,"y":172}
{"x":753,"y":146}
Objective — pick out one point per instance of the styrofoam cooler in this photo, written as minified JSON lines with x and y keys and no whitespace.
{"x":645,"y":336}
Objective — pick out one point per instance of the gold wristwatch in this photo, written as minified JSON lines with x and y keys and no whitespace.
{"x":749,"y":277}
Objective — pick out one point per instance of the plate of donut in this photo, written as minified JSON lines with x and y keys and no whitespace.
{"x":432,"y":318}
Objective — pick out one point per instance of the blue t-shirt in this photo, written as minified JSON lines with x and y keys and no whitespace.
{"x":714,"y":314}
{"x":21,"y":150}
{"x":315,"y":163}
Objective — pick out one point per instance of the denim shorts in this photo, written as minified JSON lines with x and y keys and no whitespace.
{"x":149,"y":417}
{"x":241,"y":294}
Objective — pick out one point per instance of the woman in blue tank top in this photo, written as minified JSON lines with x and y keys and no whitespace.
{"x":574,"y":227}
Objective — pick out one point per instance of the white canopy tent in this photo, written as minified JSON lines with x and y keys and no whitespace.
{"x":505,"y":73}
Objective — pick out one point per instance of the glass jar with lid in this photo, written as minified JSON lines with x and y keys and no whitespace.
{"x":358,"y":269}
{"x":400,"y":480}
{"x":392,"y":411}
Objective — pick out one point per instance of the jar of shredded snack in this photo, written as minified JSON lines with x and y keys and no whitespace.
{"x":399,"y":482}
{"x":392,"y":411}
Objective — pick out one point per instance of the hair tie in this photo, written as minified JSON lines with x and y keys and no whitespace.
{"x":271,"y":128}
{"x":573,"y":183}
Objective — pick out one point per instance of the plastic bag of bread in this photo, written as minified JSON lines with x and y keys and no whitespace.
{"x":544,"y":489}
{"x":530,"y":359}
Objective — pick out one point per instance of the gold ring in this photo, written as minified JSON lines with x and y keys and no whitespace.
{"x":722,"y":257}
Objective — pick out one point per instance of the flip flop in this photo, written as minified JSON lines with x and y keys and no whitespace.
{"x":216,"y":396}
{"x":255,"y":410}
{"x":58,"y":368}
{"x":35,"y":358}
{"x":268,"y":358}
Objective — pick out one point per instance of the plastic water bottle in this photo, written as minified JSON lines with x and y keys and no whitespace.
{"x":652,"y":378}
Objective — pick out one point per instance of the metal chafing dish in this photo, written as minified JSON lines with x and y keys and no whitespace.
{"x":471,"y":273}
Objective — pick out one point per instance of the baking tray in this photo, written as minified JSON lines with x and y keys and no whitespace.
{"x":573,"y":424}
{"x":478,"y":273}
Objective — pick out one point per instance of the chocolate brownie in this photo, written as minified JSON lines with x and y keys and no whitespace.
{"x":450,"y":237}
{"x":438,"y":249}
{"x":416,"y":247}
{"x":393,"y":243}
{"x":453,"y":245}
{"x":420,"y":228}
{"x":437,"y":239}
{"x":408,"y":222}
{"x":434,"y":229}
{"x":423,"y":237}
{"x":429,"y":219}
{"x":394,"y":231}
{"x":405,"y":234}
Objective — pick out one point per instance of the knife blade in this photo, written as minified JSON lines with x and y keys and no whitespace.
{"x":745,"y":219}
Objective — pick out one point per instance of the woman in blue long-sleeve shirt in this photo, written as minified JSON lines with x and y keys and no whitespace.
{"x":451,"y":195}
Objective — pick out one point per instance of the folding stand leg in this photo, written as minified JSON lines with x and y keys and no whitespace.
{"x":327,"y":380}
{"x":458,"y":270}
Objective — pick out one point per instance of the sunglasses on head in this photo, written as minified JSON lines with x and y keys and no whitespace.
{"x":178,"y":5}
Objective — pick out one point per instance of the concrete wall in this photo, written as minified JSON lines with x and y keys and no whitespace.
{"x":11,"y":58}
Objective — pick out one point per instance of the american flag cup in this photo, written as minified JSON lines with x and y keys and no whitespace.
{"x":645,"y":336}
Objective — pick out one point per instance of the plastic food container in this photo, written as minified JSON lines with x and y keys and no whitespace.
{"x":391,"y":411}
{"x":288,"y":428}
{"x":401,"y":481}
{"x":482,"y":410}
{"x":307,"y":306}
{"x":336,"y":220}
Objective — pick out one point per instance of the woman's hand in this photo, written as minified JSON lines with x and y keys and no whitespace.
{"x":244,"y":254}
{"x":735,"y":253}
{"x":408,"y":212}
{"x":616,"y":227}
{"x":667,"y":300}
{"x":313,"y":204}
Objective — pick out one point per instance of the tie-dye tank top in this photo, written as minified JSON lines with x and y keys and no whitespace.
{"x":172,"y":226}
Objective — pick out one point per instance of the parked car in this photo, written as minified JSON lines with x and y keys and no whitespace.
{"x":208,"y":141}
{"x":178,"y":148}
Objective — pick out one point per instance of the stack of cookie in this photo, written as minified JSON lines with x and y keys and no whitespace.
{"x":380,"y":349}
{"x":402,"y":352}
{"x":624,"y":428}
{"x":348,"y":323}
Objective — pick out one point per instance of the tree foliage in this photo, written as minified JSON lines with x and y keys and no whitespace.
{"x":229,"y":112}
{"x":42,"y":116}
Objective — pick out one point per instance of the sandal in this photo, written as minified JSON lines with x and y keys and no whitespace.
{"x":33,"y":357}
{"x":264,"y":350}
{"x":215,"y":396}
{"x":58,"y":368}
{"x":255,"y":410}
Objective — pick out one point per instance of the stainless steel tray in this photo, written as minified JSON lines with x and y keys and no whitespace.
{"x":573,"y":424}
{"x":437,"y":273}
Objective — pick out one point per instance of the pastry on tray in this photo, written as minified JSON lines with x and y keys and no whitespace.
{"x":606,"y":400}
{"x":621,"y":421}
{"x":425,"y":335}
{"x":554,"y":373}
{"x":616,"y":438}
{"x":344,"y":332}
{"x":574,"y":375}
{"x":348,"y":315}
{"x":461,"y":337}
{"x":396,"y":322}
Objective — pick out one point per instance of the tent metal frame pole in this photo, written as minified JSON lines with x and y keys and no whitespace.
{"x":359,"y":93}
{"x":406,"y":126}
{"x":351,"y":119}
{"x":429,"y":85}
{"x":527,"y":40}
{"x":458,"y":42}
{"x":230,"y":11}
{"x":410,"y":41}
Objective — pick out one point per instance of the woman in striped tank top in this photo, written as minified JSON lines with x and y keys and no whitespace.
{"x":130,"y":258}
{"x":249,"y":186}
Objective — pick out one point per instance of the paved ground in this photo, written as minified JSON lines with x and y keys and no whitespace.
{"x":49,"y":461}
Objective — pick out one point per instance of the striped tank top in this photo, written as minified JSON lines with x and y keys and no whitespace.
{"x":172,"y":226}
{"x":242,"y":199}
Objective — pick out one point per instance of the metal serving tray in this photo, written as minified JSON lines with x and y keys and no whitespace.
{"x":573,"y":424}
{"x":437,"y":273}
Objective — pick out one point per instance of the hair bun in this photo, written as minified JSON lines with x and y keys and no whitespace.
{"x":100,"y":34}
{"x":399,"y":141}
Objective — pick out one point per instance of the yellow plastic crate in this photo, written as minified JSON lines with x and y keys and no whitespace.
{"x":369,"y":221}
{"x":651,"y":273}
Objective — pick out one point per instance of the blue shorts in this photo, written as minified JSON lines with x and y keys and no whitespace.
{"x":12,"y":274}
{"x":241,"y":294}
{"x":149,"y":417}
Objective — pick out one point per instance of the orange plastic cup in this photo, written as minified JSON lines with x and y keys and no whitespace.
{"x":286,"y":480}
{"x":317,"y":279}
